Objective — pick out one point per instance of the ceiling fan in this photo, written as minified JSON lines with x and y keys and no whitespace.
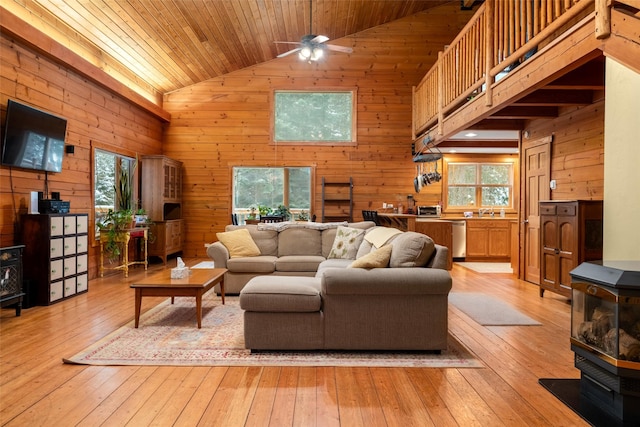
{"x":311,"y":47}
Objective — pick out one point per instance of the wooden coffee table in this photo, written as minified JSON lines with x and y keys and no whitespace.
{"x":195,"y":285}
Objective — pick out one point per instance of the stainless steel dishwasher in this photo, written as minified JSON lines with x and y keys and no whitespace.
{"x":459,"y":245}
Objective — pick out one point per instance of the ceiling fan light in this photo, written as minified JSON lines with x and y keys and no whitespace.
{"x":317,"y":53}
{"x":305,"y":53}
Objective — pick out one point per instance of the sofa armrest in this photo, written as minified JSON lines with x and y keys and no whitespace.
{"x":385,"y":281}
{"x":219,"y":254}
{"x":440,"y":258}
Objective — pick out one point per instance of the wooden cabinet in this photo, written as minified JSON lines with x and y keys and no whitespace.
{"x":441,"y":232}
{"x":571,"y":233}
{"x":162,"y":199}
{"x":337,"y":201}
{"x":167,"y":238}
{"x":55,"y":256}
{"x":488,"y":239}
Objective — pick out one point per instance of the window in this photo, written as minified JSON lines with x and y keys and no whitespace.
{"x":479,"y":185}
{"x":303,"y":116}
{"x":267,"y":187}
{"x":107,"y":170}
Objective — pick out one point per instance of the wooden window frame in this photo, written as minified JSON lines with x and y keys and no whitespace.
{"x":481,"y":159}
{"x":354,"y":116}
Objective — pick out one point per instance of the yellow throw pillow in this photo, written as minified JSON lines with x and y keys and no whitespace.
{"x":376,"y":259}
{"x":239,"y":243}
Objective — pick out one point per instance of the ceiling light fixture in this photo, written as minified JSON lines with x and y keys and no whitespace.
{"x":310,"y":53}
{"x":470,"y":134}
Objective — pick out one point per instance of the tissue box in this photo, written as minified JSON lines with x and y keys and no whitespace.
{"x":180,"y":272}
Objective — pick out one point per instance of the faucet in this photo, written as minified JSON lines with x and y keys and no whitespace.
{"x":482,"y":211}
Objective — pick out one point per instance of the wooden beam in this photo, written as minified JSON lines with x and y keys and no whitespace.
{"x":45,"y":45}
{"x":516,"y":112}
{"x":563,"y":97}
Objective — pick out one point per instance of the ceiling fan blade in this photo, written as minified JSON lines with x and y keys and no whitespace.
{"x":319,"y":39}
{"x":287,"y":42}
{"x":337,"y":48}
{"x":289,"y":52}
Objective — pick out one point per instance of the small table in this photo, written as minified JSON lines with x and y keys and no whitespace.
{"x":136,"y":232}
{"x":195,"y":285}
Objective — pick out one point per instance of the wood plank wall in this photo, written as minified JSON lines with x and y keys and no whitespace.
{"x":226,"y":121}
{"x":577,"y":151}
{"x":94,"y":116}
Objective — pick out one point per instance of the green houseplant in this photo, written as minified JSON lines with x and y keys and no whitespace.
{"x":112,"y":228}
{"x":282,"y":211}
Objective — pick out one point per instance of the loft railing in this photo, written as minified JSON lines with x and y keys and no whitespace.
{"x":501,"y":35}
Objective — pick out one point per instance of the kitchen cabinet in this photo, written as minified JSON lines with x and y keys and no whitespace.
{"x":162,"y":199}
{"x":441,"y":232}
{"x":571,"y":233}
{"x":55,"y":256}
{"x":488,"y":239}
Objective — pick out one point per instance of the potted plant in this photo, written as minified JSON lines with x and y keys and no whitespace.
{"x":112,"y":228}
{"x":303,"y":216}
{"x":141,"y":217}
{"x":252,"y":213}
{"x":263,"y":210}
{"x":282,"y":211}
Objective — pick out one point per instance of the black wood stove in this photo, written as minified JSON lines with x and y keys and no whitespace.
{"x":605,"y":336}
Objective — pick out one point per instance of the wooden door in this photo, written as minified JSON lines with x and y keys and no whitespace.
{"x":536,"y":173}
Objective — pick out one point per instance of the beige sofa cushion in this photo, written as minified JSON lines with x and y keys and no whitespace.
{"x":299,"y":241}
{"x":411,"y":249}
{"x":257,"y":264}
{"x":300,"y":263}
{"x":278,"y":294}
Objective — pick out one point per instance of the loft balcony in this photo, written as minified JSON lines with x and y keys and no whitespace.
{"x":519,"y":60}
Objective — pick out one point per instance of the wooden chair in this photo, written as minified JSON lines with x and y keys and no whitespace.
{"x":371,"y":216}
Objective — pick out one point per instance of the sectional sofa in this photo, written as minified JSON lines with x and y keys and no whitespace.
{"x":343,"y":287}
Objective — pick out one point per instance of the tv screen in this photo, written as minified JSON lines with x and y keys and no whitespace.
{"x":33,"y":139}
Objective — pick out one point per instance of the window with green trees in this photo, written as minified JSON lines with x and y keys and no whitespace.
{"x":107,"y":169}
{"x":304,"y":116}
{"x":270,"y":187}
{"x":479,"y":185}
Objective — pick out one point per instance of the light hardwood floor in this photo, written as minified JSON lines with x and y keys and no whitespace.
{"x":37,"y":389}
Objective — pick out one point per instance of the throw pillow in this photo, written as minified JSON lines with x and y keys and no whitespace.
{"x":376,"y":259}
{"x":239,"y":243}
{"x":411,"y":249}
{"x":346,"y":243}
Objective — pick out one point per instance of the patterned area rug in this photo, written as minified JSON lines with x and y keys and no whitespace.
{"x":168,"y":335}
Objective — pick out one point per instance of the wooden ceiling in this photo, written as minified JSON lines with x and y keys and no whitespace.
{"x":158,"y":46}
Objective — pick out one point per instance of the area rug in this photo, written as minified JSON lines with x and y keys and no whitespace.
{"x":487,"y":267}
{"x":488,"y":310}
{"x":168,"y":335}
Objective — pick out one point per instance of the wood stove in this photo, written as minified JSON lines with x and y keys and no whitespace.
{"x":605,"y":335}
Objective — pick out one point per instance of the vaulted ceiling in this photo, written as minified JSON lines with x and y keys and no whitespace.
{"x":158,"y":46}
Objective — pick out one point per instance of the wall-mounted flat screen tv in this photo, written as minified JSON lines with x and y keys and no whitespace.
{"x":33,"y":139}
